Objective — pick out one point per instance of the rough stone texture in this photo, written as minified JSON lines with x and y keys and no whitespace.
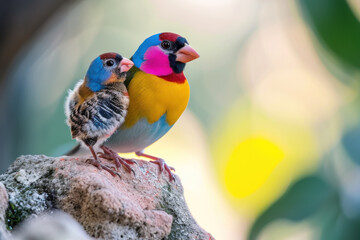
{"x":145,"y":206}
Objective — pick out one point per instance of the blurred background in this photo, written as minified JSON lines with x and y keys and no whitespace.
{"x":269,"y":147}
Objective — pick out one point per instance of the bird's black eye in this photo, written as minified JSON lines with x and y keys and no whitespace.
{"x":109,"y":63}
{"x":165,"y":44}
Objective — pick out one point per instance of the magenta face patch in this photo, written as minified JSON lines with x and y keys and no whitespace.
{"x":156,"y":62}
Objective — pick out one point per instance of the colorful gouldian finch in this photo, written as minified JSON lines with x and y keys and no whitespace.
{"x":97,"y":106}
{"x":159,"y":93}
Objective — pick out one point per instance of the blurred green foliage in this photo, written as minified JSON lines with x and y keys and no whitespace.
{"x":351,"y":140}
{"x":331,"y":204}
{"x":336,"y":28}
{"x":300,"y":201}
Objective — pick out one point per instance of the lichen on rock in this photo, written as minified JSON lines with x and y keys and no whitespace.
{"x":141,"y":206}
{"x":26,"y":196}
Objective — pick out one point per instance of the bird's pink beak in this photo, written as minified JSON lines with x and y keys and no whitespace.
{"x":186,"y":54}
{"x":125,"y":65}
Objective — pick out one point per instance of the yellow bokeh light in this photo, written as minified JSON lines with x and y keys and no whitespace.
{"x":257,"y":156}
{"x":250,"y":165}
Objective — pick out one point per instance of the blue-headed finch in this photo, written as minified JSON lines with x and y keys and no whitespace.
{"x":97,"y":106}
{"x":159,"y":93}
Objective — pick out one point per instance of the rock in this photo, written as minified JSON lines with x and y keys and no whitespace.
{"x":144,"y":206}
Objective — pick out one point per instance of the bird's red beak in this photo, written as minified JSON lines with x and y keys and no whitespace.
{"x":186,"y":54}
{"x":125,"y":65}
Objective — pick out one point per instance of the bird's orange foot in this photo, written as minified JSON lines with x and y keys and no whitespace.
{"x":119,"y":161}
{"x":161,"y":163}
{"x":97,"y":164}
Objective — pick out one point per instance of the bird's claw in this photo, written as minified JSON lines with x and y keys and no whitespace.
{"x":162,"y":165}
{"x":119,"y":161}
{"x":101,"y":166}
{"x":160,"y":162}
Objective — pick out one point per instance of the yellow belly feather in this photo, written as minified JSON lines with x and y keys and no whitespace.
{"x":151,"y":97}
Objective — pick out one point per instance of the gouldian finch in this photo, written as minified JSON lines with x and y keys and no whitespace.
{"x":159,"y":94}
{"x":97,"y":106}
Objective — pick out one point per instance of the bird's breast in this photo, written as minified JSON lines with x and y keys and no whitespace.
{"x":139,"y":136}
{"x":152,"y":97}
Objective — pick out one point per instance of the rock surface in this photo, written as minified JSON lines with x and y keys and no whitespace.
{"x":144,"y":206}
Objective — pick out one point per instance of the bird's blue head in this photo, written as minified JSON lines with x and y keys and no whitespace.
{"x":105,"y":69}
{"x":163,"y":54}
